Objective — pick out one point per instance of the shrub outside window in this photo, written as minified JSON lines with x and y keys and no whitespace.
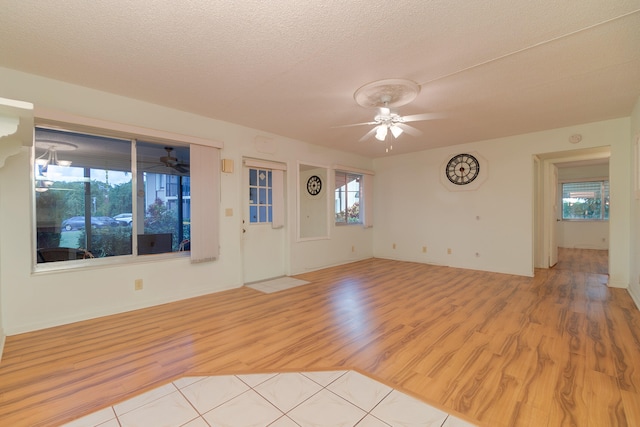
{"x":347,"y":198}
{"x":585,"y":200}
{"x":84,"y":196}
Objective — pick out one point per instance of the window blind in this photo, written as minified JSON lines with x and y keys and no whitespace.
{"x":205,"y":203}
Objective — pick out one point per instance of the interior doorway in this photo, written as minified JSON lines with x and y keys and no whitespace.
{"x":548,"y":226}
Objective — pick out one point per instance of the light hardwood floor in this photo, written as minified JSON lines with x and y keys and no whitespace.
{"x":559,"y":349}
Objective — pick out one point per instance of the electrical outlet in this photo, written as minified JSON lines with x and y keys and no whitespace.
{"x":137,"y":285}
{"x":353,"y":248}
{"x":449,"y":251}
{"x":394,"y":246}
{"x":424,"y":249}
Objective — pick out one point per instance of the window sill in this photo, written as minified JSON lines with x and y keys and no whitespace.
{"x":88,"y":264}
{"x":585,"y":220}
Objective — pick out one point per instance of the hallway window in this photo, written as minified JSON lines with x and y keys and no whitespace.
{"x":585,"y":200}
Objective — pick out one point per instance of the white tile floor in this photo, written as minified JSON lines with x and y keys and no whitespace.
{"x":307,"y":399}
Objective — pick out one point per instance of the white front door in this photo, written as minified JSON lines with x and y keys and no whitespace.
{"x":262,"y":244}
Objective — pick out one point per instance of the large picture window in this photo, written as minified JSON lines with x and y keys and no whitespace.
{"x":86,"y":205}
{"x":585,"y":200}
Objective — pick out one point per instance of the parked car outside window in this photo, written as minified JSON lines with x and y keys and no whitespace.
{"x":124,"y":218}
{"x":78,"y":222}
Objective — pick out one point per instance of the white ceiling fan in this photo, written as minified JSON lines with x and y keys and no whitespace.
{"x":387,"y":122}
{"x":385,"y":94}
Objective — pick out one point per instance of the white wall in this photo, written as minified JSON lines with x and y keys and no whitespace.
{"x":490,"y":228}
{"x":583,"y":234}
{"x":2,"y":333}
{"x":31,"y":301}
{"x":313,"y":210}
{"x":634,"y":286}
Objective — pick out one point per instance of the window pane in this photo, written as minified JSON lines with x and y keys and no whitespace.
{"x":262,"y":178}
{"x":260,"y":196}
{"x":164,"y":198}
{"x":347,"y":198}
{"x":585,"y":200}
{"x":83,"y":195}
{"x":340,"y":204}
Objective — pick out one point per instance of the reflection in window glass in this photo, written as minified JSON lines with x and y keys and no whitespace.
{"x":81,"y":183}
{"x":347,"y":198}
{"x":164,"y":197}
{"x":84,"y":197}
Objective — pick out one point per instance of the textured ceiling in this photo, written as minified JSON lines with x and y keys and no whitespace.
{"x":492,"y":67}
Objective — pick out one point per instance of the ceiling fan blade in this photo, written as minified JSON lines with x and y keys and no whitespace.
{"x":355,"y":124}
{"x":181,"y":168}
{"x":368,"y":134}
{"x":409,"y":129}
{"x":423,"y":116}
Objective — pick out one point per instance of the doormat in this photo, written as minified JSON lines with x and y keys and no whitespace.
{"x":278,"y":284}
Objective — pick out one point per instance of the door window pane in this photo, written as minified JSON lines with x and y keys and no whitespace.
{"x":260,"y":196}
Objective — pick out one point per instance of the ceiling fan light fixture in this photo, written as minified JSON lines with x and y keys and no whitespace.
{"x":381,"y":132}
{"x":387,"y":93}
{"x":50,"y":156}
{"x":43,"y":185}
